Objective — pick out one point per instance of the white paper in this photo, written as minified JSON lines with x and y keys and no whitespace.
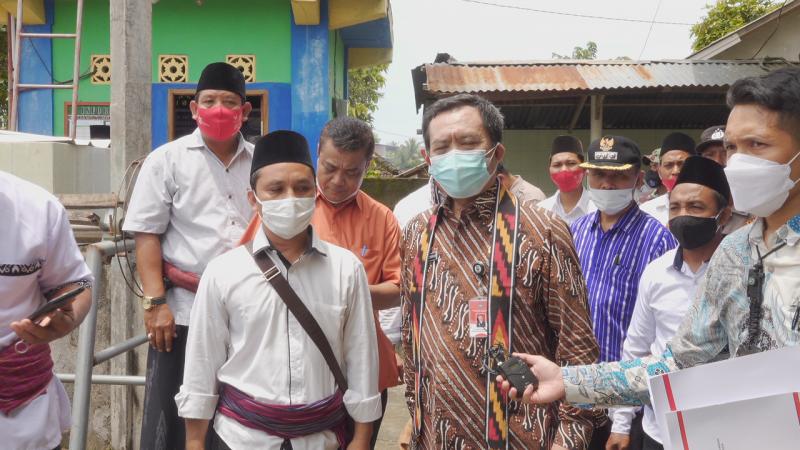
{"x":761,"y":423}
{"x":746,"y":377}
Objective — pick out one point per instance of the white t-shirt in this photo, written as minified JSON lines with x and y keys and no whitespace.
{"x":38,"y":254}
{"x":198,"y":205}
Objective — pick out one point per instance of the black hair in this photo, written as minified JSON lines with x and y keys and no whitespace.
{"x":349,"y":134}
{"x":777,"y":91}
{"x":491,"y":116}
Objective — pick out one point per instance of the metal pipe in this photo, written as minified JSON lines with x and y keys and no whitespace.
{"x":95,"y":256}
{"x":104,"y":355}
{"x":123,"y":380}
{"x":12,"y":122}
{"x":49,"y":35}
{"x":43,"y":86}
{"x":76,"y":71}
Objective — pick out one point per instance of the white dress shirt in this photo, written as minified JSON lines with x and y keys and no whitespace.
{"x":583,"y":207}
{"x":242,"y":334}
{"x":197,"y":204}
{"x":666,"y":291}
{"x":38,"y":254}
{"x":658,"y":208}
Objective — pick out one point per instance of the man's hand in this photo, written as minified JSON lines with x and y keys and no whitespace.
{"x":196,"y":430}
{"x":160,"y":326}
{"x":362,"y":435}
{"x":58,"y":323}
{"x":551,"y":383}
{"x":618,"y":441}
{"x":55,"y":325}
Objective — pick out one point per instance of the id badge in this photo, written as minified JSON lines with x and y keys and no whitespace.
{"x":478,"y":317}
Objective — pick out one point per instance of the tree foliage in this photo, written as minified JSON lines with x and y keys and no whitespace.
{"x":588,"y":52}
{"x":364,"y":90}
{"x":407,"y":155}
{"x":725,"y":16}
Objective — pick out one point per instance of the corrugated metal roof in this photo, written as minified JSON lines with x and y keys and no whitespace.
{"x":565,"y":76}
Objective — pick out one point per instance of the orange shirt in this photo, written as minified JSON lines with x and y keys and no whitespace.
{"x":369,"y":230}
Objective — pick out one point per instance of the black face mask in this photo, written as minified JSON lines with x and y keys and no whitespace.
{"x":652,"y":179}
{"x":693,"y":232}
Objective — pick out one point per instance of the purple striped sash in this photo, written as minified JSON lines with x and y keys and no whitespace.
{"x":285,"y":421}
{"x":23,"y":376}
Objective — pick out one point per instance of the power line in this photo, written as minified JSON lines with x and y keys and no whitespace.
{"x":584,"y":16}
{"x":777,"y":25}
{"x":650,"y":30}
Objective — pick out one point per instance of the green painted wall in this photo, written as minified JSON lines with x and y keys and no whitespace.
{"x":204,"y":33}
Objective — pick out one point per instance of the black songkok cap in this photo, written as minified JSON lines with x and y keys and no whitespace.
{"x":281,"y":146}
{"x":566,"y":144}
{"x":706,"y":172}
{"x":677,"y":141}
{"x":613,"y":153}
{"x":224,"y":77}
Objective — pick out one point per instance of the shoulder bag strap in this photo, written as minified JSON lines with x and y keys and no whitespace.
{"x":300,"y":312}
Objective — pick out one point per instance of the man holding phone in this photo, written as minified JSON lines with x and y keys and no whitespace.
{"x":40,"y":261}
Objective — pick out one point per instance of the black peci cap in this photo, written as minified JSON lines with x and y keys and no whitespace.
{"x":224,"y":77}
{"x":705,"y":172}
{"x":677,"y":141}
{"x":566,"y":144}
{"x":281,"y":146}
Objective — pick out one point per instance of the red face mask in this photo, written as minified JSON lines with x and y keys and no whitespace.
{"x":219,"y":123}
{"x":669,"y":183}
{"x":567,"y":180}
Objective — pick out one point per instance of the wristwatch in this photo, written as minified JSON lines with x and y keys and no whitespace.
{"x":148,"y":302}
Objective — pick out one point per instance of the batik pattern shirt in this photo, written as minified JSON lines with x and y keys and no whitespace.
{"x":716,"y":325}
{"x":613,"y":262}
{"x":550,"y":317}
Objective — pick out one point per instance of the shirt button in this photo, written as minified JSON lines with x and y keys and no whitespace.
{"x":230,"y":196}
{"x":233,"y":222}
{"x":227,"y":170}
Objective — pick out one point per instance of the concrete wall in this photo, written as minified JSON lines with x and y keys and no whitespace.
{"x":528,"y":151}
{"x":785,"y":43}
{"x":58,"y":167}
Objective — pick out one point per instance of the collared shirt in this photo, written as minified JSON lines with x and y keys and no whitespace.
{"x":197,"y":204}
{"x":38,"y":255}
{"x":666,"y":291}
{"x":716,"y":324}
{"x":583,"y":207}
{"x":658,"y":208}
{"x":242,"y":334}
{"x":549,"y":302}
{"x":369,"y":230}
{"x":612,"y":263}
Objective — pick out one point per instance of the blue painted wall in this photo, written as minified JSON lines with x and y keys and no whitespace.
{"x":35,"y":112}
{"x":280,"y":106}
{"x":311,"y":101}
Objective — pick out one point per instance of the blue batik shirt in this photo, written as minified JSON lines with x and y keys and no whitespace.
{"x":716,"y":324}
{"x":612,"y":263}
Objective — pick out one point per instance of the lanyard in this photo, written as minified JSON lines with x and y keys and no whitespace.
{"x":755,"y":292}
{"x":502,"y":261}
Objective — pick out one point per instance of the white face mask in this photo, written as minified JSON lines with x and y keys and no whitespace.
{"x":349,"y":197}
{"x":611,"y":201}
{"x":759,"y":186}
{"x":287,"y":217}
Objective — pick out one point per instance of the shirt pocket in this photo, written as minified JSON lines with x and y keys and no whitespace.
{"x":331,"y":319}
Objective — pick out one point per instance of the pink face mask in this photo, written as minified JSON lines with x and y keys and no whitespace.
{"x":567,"y":180}
{"x":219,"y":123}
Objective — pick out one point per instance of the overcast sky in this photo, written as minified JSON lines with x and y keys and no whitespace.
{"x":477,"y":32}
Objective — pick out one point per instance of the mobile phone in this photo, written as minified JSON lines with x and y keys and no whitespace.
{"x":518,"y":374}
{"x":58,"y":302}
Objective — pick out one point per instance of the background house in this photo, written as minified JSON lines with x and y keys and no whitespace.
{"x":294,"y":54}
